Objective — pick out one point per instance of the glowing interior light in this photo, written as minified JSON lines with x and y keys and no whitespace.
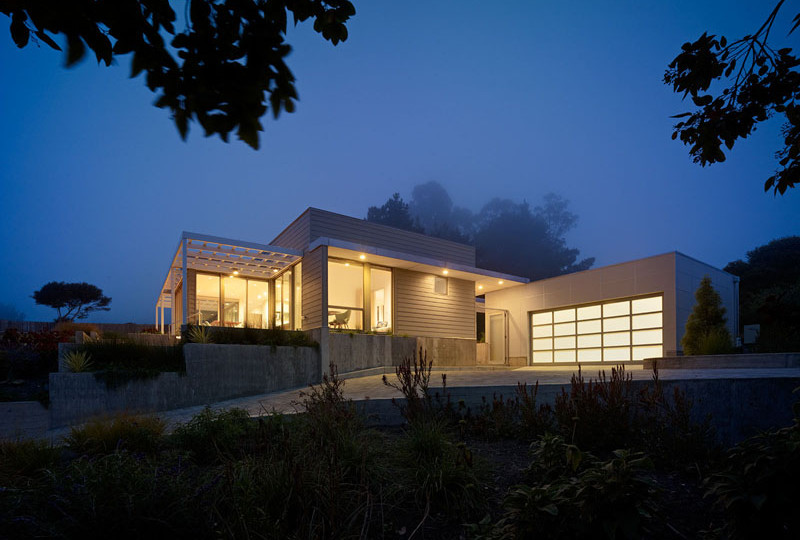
{"x":235,"y":272}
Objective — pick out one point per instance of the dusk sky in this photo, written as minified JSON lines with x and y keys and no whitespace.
{"x":491,"y":99}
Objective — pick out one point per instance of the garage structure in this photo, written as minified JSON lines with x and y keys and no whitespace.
{"x":618,"y":313}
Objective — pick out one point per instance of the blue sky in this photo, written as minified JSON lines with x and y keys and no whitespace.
{"x":501,"y":99}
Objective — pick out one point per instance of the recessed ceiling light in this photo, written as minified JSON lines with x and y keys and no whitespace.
{"x":444,"y":272}
{"x":362,"y":256}
{"x":480,"y":287}
{"x":500,"y":282}
{"x":235,"y":272}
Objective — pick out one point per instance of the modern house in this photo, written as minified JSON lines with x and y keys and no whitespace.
{"x":330,"y":271}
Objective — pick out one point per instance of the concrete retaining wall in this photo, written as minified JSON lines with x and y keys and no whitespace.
{"x":213,"y":373}
{"x":726,"y":361}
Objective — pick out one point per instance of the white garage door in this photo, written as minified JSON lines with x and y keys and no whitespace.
{"x":613,"y":331}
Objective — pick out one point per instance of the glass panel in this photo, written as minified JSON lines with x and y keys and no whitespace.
{"x":381,"y":291}
{"x":543,"y":331}
{"x":542,"y":318}
{"x":649,"y":351}
{"x":564,"y":329}
{"x":589,"y":355}
{"x":564,"y":315}
{"x":646,"y":337}
{"x":346,"y":318}
{"x":233,"y":307}
{"x":616,"y":324}
{"x":594,"y":340}
{"x":564,"y":356}
{"x":617,"y":354}
{"x":588,"y":312}
{"x":283,"y":300}
{"x":298,"y":296}
{"x":650,"y":320}
{"x":616,"y":308}
{"x":257,"y":303}
{"x":542,"y":344}
{"x":439,"y":285}
{"x":345,"y":284}
{"x":619,"y":338}
{"x":564,"y":342}
{"x":589,"y":327}
{"x":207,"y":294}
{"x":646,"y":305}
{"x":542,"y":356}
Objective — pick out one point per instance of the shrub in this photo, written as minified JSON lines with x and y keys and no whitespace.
{"x":71,"y":327}
{"x":118,"y":363}
{"x":756,"y":487}
{"x":199,"y":334}
{"x":212,"y":436}
{"x":121,"y":432}
{"x":518,"y":417}
{"x":716,"y":341}
{"x":413,"y":381}
{"x":273,"y":337}
{"x":705,"y":327}
{"x":25,"y":458}
{"x":78,"y":361}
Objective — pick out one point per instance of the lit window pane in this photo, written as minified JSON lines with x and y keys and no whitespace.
{"x":589,"y":355}
{"x":542,"y":356}
{"x":543,"y":318}
{"x":617,"y":354}
{"x":542,"y":344}
{"x":564,"y":329}
{"x":543,"y":331}
{"x":585,"y":342}
{"x":564,"y":356}
{"x":650,"y":320}
{"x":564,"y":342}
{"x":647,"y":337}
{"x":589,"y":327}
{"x":646,"y":305}
{"x":616,"y":324}
{"x":619,"y":338}
{"x":650,"y":351}
{"x":616,"y":308}
{"x":564,"y":315}
{"x":588,"y":312}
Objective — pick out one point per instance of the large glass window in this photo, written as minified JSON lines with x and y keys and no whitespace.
{"x":283,"y":300}
{"x":616,"y":331}
{"x":234,"y":290}
{"x":207,"y":300}
{"x":381,"y":300}
{"x":257,"y":304}
{"x":345,"y":294}
{"x":298,"y":296}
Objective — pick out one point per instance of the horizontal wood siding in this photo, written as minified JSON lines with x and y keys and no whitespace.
{"x":418,"y":311}
{"x":191,"y":296}
{"x":329,"y":225}
{"x":313,"y":265}
{"x":296,"y":235}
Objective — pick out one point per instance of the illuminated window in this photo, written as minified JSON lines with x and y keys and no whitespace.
{"x":439,"y":285}
{"x":207,"y":300}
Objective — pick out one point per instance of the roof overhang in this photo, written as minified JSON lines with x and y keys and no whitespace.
{"x":485,"y":280}
{"x":206,"y":253}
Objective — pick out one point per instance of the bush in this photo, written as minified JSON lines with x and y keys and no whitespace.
{"x":273,"y":337}
{"x":121,"y":432}
{"x":71,"y":327}
{"x":78,"y":362}
{"x":518,"y":417}
{"x":716,"y":341}
{"x":25,"y":458}
{"x":212,"y":436}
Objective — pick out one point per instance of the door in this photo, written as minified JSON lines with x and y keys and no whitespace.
{"x":497,"y":338}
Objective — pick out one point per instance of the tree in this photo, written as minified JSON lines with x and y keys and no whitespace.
{"x":77,"y":299}
{"x":706,"y":332}
{"x":761,"y":83}
{"x":217,"y":71}
{"x":393,"y":213}
{"x":769,"y":292}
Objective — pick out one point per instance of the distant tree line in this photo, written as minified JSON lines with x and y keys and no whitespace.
{"x":508,"y":237}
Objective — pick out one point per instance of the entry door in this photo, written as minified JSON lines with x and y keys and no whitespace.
{"x":497,"y":338}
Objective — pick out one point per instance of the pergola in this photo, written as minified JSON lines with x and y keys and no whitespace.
{"x":222,"y":256}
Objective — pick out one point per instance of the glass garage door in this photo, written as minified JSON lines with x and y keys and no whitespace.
{"x":614,"y":331}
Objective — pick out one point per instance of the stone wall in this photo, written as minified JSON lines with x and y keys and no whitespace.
{"x":726,"y":361}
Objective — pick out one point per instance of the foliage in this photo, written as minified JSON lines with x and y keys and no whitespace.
{"x":273,"y":337}
{"x":706,"y":332}
{"x":597,"y":414}
{"x":573,"y":495}
{"x":199,"y":334}
{"x":756,"y":487}
{"x":760,"y":83}
{"x":78,"y":361}
{"x":29,"y":355}
{"x":27,"y":458}
{"x":394,"y":213}
{"x":70,"y":327}
{"x":211,"y":435}
{"x":77,"y":299}
{"x":123,"y":431}
{"x":117,"y":363}
{"x":413,"y":381}
{"x":769,"y":293}
{"x":219,"y":71}
{"x":518,"y":417}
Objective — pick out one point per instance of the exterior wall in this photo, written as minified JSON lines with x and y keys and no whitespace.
{"x":689,"y":273}
{"x":643,"y":276}
{"x":329,"y":225}
{"x":191,"y":295}
{"x":297,"y":235}
{"x":314,"y":273}
{"x":419,"y":311}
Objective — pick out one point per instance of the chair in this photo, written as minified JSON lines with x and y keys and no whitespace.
{"x":341,"y":320}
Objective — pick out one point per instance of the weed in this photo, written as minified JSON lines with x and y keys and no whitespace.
{"x":121,"y":432}
{"x":212,"y":436}
{"x":25,"y":458}
{"x":413,"y":381}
